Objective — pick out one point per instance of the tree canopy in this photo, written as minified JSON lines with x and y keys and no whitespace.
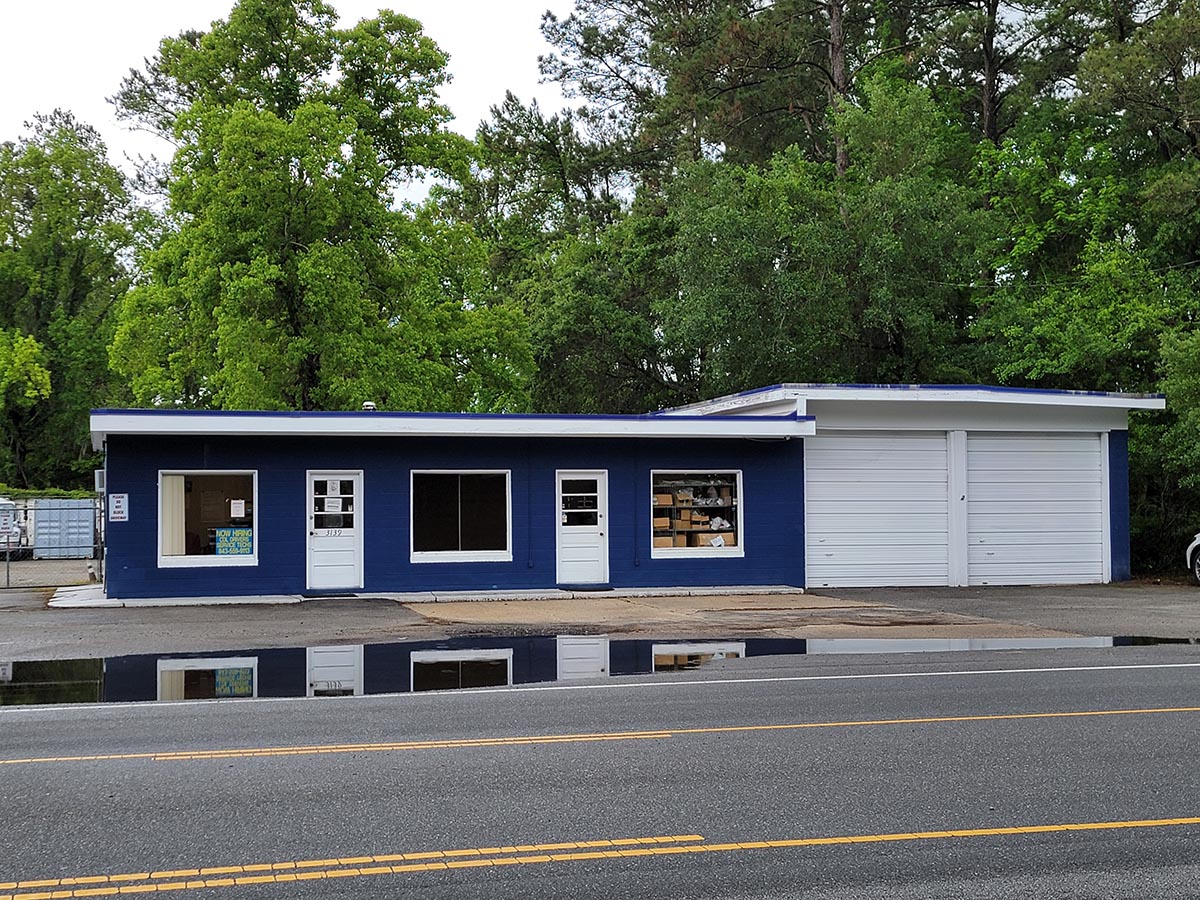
{"x":67,"y":229}
{"x":286,"y":276}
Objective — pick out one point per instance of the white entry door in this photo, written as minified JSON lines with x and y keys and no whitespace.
{"x":335,"y":530}
{"x":583,"y":527}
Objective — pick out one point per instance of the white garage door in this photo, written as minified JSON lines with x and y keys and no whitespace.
{"x":876,"y":510}
{"x":1034,"y":509}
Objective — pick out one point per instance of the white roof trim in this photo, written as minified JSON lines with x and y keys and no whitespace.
{"x":909,"y":393}
{"x":375,"y":424}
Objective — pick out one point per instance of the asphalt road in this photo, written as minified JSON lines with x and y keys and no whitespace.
{"x":883,"y":777}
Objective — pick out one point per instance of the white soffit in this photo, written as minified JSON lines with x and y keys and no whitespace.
{"x":166,"y":423}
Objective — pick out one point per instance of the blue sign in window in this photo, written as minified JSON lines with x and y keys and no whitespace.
{"x":235,"y":541}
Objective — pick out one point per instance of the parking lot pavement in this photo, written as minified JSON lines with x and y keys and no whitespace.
{"x":727,"y":615}
{"x":1143,"y":608}
{"x":32,"y":573}
{"x":31,"y":630}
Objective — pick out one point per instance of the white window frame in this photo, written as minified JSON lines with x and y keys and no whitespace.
{"x":435,"y":656}
{"x":693,"y":552}
{"x":460,"y":556}
{"x":686,"y":649}
{"x":190,"y":562}
{"x":208,"y":662}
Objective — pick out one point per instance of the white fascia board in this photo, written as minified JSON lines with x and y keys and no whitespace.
{"x":1007,"y":396}
{"x":800,"y":394}
{"x":374,"y":424}
{"x":742,"y":404}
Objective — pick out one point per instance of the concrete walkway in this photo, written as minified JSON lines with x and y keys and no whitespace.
{"x":92,"y":596}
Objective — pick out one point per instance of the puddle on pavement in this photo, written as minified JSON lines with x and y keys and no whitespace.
{"x":452,"y":664}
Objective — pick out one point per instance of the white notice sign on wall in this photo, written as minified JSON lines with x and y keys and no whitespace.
{"x":118,"y":507}
{"x":5,"y":671}
{"x":237,"y":509}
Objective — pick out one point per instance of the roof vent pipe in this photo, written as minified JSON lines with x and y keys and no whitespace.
{"x":369,"y":406}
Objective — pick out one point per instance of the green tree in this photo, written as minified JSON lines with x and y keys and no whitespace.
{"x":595,"y":330}
{"x":738,"y":80}
{"x":66,"y":231}
{"x":287,"y":277}
{"x":787,"y":273}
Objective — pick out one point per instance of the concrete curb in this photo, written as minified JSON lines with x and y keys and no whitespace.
{"x":92,"y":596}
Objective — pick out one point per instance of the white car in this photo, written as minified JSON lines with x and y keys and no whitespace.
{"x":1193,"y":558}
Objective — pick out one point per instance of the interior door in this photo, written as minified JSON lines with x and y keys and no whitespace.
{"x":335,"y":530}
{"x":583,"y":527}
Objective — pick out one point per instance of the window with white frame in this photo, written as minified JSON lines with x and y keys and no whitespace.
{"x":461,"y":517}
{"x":696,"y":513}
{"x":207,"y":518}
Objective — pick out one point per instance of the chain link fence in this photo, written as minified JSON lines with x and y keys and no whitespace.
{"x":50,"y":542}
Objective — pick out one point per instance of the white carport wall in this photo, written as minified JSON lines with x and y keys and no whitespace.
{"x":950,"y":485}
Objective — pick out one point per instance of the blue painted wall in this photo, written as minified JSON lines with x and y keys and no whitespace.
{"x":772,"y":508}
{"x":1118,"y":504}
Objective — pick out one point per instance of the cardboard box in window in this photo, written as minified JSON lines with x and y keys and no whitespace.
{"x":681,"y":540}
{"x":667,"y":541}
{"x":706,"y":538}
{"x":685,"y":515}
{"x":726,"y":492}
{"x":683,"y":497}
{"x":699,"y":519}
{"x":662,"y":523}
{"x":664,"y":500}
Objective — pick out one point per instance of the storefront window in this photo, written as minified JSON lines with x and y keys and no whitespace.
{"x":207,"y":518}
{"x":696,"y":513}
{"x":460,"y":516}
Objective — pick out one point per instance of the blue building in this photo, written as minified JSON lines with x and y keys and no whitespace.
{"x":802,"y":485}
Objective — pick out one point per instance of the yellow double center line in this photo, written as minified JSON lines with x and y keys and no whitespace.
{"x":660,"y":734}
{"x":529,"y":854}
{"x":341,"y":867}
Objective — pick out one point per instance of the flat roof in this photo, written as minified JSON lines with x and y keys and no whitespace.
{"x":177,"y":422}
{"x":938,"y":393}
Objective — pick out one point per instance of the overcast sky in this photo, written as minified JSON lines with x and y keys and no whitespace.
{"x":73,"y":54}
